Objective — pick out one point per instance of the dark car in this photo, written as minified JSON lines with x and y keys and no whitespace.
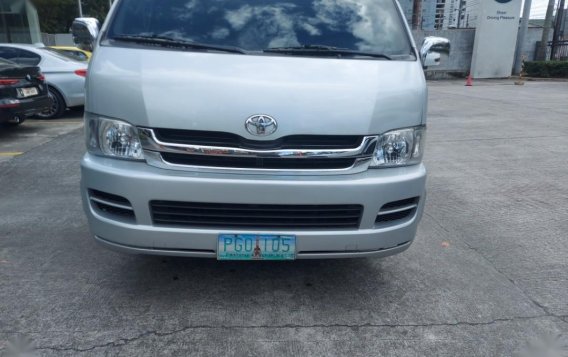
{"x":23,"y":92}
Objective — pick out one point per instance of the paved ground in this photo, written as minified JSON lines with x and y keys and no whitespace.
{"x":14,"y":141}
{"x":487,"y":275}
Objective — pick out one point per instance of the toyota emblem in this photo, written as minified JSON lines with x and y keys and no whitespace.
{"x":261,"y":125}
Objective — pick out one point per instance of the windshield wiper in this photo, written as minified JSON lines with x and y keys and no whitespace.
{"x":322,"y":50}
{"x":167,"y":41}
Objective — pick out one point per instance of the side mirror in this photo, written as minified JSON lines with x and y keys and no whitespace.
{"x":433,"y":49}
{"x":85,"y":31}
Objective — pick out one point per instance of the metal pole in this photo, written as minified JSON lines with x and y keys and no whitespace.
{"x":80,"y":8}
{"x":541,"y":53}
{"x":5,"y":25}
{"x":521,"y":37}
{"x":557,"y":29}
{"x":417,"y":14}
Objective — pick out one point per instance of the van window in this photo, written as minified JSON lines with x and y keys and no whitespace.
{"x":255,"y":25}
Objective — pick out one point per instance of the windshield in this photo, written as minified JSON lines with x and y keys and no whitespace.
{"x":256,"y":25}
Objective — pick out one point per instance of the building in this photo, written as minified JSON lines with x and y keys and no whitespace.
{"x":19,"y":22}
{"x":470,"y":14}
{"x":429,"y":8}
{"x":444,"y":14}
{"x":406,"y":6}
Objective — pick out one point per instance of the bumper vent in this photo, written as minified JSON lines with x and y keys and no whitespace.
{"x":397,"y":210}
{"x":252,"y":216}
{"x":112,"y":205}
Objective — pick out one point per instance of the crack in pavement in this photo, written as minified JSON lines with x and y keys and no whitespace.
{"x":500,"y":138}
{"x":534,"y":302}
{"x":125,"y":341}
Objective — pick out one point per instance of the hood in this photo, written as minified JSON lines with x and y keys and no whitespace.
{"x":218,"y":92}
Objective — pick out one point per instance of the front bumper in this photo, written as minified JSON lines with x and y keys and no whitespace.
{"x":141,"y":183}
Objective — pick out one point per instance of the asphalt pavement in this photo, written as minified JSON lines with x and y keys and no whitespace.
{"x":16,"y":140}
{"x":486,"y":276}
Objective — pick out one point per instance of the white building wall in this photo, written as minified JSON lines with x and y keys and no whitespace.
{"x":444,"y":14}
{"x":451,"y":13}
{"x":470,"y":14}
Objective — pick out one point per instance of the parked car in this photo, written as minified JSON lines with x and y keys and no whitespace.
{"x":74,"y":52}
{"x":256,"y":129}
{"x":65,"y":77}
{"x":23,"y":92}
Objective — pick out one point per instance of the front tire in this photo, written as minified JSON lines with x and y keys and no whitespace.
{"x":57,"y":107}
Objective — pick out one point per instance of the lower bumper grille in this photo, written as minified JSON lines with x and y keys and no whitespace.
{"x":220,"y":215}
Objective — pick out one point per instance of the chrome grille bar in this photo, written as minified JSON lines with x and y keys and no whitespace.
{"x":155,"y":150}
{"x":152,"y":143}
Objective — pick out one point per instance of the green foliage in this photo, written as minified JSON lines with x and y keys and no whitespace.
{"x":56,"y":16}
{"x":546,"y":69}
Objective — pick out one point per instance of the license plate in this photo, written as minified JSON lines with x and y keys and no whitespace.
{"x":27,"y":92}
{"x":256,"y":247}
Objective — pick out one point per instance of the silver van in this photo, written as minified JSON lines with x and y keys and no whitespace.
{"x":256,"y":129}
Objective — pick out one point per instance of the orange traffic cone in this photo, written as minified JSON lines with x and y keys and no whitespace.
{"x":469,"y":81}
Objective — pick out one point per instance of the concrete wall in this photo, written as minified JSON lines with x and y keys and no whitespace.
{"x":58,"y":39}
{"x":460,"y":53}
{"x":459,"y":62}
{"x":534,"y":34}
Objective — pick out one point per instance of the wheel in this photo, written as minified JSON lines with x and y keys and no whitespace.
{"x":57,"y":106}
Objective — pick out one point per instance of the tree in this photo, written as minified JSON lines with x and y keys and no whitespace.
{"x":56,"y":16}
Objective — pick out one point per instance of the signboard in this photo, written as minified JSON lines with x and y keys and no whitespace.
{"x":495,"y":38}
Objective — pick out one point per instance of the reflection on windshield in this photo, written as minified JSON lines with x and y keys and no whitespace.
{"x":254,"y":25}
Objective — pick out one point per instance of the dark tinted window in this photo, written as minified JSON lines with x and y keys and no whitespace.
{"x":60,"y":55}
{"x":79,"y":55}
{"x":8,"y":53}
{"x":4,"y":63}
{"x":254,"y":25}
{"x":27,"y":58}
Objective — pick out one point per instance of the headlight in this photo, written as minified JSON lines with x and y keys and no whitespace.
{"x":113,"y":138}
{"x":400,"y":148}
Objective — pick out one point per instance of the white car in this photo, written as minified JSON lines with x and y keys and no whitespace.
{"x":65,"y":76}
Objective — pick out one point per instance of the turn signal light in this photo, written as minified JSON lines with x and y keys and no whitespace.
{"x":81,"y":72}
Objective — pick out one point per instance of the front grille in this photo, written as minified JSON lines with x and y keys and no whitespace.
{"x":397,"y":210}
{"x":254,"y":216}
{"x":230,"y":140}
{"x":111,"y":205}
{"x":259,"y":163}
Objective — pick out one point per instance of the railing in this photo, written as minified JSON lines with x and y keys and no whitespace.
{"x":558,"y":50}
